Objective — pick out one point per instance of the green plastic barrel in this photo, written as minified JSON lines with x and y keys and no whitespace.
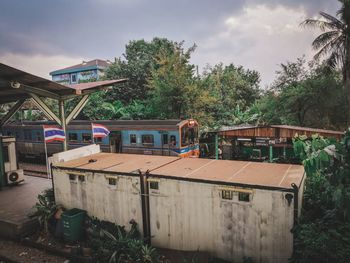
{"x":73,"y":224}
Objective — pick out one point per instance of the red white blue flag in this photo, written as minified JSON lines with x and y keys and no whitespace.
{"x":99,"y":130}
{"x":53,"y":133}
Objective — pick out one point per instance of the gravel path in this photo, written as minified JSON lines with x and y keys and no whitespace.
{"x":22,"y":254}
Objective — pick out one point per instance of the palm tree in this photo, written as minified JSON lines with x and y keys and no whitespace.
{"x":334,"y":42}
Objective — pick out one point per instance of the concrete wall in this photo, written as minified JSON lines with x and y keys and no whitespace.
{"x":118,"y":204}
{"x":189,"y":216}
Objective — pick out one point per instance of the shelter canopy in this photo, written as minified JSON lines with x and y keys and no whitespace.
{"x":16,"y":84}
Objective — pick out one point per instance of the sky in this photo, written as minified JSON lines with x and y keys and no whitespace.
{"x":40,"y":36}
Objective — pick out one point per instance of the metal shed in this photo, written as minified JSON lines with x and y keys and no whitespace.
{"x":232,"y":209}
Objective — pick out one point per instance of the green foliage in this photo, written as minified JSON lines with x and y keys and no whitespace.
{"x":138,"y":61}
{"x":305,"y":95}
{"x":171,"y":83}
{"x":112,"y":243}
{"x":45,"y":208}
{"x":323,"y":234}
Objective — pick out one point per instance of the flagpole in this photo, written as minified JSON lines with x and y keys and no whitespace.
{"x":92,"y":133}
{"x":47,"y":163}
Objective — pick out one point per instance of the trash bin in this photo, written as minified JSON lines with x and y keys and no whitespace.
{"x":73,"y":224}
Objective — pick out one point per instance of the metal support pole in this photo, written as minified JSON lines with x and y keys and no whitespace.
{"x":216,"y":146}
{"x":63,"y":122}
{"x":12,"y":112}
{"x":271,"y":153}
{"x":2,"y":166}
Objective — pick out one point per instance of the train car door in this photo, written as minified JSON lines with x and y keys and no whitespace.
{"x":115,"y":142}
{"x":165,"y":144}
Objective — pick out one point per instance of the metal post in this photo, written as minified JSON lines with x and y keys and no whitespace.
{"x":271,"y":153}
{"x":63,"y":123}
{"x":216,"y":146}
{"x":2,"y":166}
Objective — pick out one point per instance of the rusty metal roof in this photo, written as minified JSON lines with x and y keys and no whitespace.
{"x":216,"y":171}
{"x":120,"y":163}
{"x":236,"y":172}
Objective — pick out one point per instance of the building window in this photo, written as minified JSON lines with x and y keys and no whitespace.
{"x":227,"y":195}
{"x":244,"y":197}
{"x":72,"y":137}
{"x":81,"y":178}
{"x":112,"y":181}
{"x":154,"y":185}
{"x":72,"y":177}
{"x":132,"y":138}
{"x":147,"y":139}
{"x":86,"y":137}
{"x":73,"y":78}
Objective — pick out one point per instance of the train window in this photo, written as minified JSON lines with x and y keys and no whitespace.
{"x":132,"y":138}
{"x":38,"y":136}
{"x":17,"y":135}
{"x":184,"y":136}
{"x":165,"y":138}
{"x":86,"y":137}
{"x":98,"y":140}
{"x":9,"y":133}
{"x":147,"y":139}
{"x":72,"y":137}
{"x":173,"y":140}
{"x":27,"y":135}
{"x":81,"y":178}
{"x":244,"y":197}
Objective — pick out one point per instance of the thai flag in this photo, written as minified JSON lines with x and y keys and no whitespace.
{"x":99,"y":131}
{"x":53,"y":133}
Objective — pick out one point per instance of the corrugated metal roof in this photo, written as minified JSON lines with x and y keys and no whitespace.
{"x":216,"y":171}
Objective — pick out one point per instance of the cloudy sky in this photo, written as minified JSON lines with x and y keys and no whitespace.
{"x":40,"y":35}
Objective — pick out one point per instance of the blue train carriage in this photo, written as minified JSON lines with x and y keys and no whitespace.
{"x":157,"y":137}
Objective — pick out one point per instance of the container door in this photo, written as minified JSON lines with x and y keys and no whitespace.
{"x":165,"y":144}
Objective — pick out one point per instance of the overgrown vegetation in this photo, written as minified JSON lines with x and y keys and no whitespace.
{"x":45,"y":208}
{"x":112,"y":243}
{"x":323,"y":234}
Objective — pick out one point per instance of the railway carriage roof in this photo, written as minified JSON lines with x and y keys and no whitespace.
{"x":253,"y":174}
{"x":112,"y":124}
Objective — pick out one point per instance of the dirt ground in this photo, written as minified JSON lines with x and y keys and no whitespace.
{"x":22,"y":254}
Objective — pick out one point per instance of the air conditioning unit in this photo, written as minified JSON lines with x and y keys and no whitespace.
{"x":15,"y":177}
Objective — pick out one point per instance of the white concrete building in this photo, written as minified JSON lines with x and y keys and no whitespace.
{"x":232,"y":209}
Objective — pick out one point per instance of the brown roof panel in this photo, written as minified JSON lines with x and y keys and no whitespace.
{"x":121,"y":163}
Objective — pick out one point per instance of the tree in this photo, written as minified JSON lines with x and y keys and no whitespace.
{"x":136,"y":65}
{"x":171,"y":83}
{"x":305,"y":95}
{"x":334,"y":42}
